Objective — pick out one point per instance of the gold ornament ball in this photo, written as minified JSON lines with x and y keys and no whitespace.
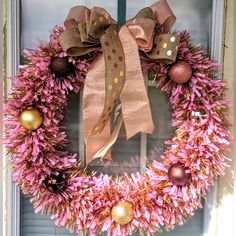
{"x":122,"y":213}
{"x":31,"y":119}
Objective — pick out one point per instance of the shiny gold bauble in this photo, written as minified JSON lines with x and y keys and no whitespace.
{"x":122,"y":213}
{"x":31,"y":119}
{"x":199,"y":116}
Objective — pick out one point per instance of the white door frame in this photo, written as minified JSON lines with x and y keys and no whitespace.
{"x":12,"y":193}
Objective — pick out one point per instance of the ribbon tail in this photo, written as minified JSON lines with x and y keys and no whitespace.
{"x":93,"y":103}
{"x":134,"y":99}
{"x":102,"y":152}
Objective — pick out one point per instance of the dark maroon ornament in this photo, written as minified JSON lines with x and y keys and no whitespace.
{"x":56,"y":183}
{"x":199,"y":116}
{"x":179,"y":174}
{"x":61,"y":66}
{"x":180,"y":72}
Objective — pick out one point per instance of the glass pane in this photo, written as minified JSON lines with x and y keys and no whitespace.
{"x":39,"y":17}
{"x":192,"y":15}
{"x":161,"y":115}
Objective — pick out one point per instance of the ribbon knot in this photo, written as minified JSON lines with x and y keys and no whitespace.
{"x":117,"y":73}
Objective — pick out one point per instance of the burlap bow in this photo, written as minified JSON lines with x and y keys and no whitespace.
{"x":117,"y":72}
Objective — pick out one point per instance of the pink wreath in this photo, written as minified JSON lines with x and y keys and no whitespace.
{"x":170,"y":190}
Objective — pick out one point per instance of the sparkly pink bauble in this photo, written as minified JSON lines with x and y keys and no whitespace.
{"x":180,"y":72}
{"x":178,"y":174}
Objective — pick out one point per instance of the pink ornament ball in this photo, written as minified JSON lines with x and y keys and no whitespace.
{"x":180,"y":72}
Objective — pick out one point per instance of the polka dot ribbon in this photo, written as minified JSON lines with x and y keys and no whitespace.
{"x":117,"y":73}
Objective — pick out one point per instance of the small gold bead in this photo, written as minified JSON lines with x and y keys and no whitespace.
{"x":172,"y":39}
{"x":96,"y":128}
{"x":116,"y":80}
{"x":101,"y":18}
{"x":94,"y":22}
{"x":110,"y":87}
{"x":122,"y":73}
{"x":164,"y":45}
{"x":169,"y":53}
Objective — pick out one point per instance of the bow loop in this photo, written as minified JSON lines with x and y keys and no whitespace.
{"x":163,"y":15}
{"x":142,"y":27}
{"x":84,"y":28}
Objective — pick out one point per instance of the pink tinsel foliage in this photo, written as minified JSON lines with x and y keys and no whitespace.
{"x":87,"y":201}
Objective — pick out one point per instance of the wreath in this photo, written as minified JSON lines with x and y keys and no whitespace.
{"x":92,"y":52}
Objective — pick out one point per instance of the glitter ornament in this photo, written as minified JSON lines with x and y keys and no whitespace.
{"x":199,"y":116}
{"x":61,"y":67}
{"x":178,"y":174}
{"x":180,"y":72}
{"x":31,"y":119}
{"x":56,"y":183}
{"x":122,"y":213}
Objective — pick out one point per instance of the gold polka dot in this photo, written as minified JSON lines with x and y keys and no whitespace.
{"x":116,"y":80}
{"x":110,"y":87}
{"x":164,"y":45}
{"x":115,"y":65}
{"x":169,"y":53}
{"x":113,"y":50}
{"x":160,"y":39}
{"x":109,"y":57}
{"x":107,"y":44}
{"x":120,"y":58}
{"x":101,"y":18}
{"x":114,"y":95}
{"x":94,"y":22}
{"x":172,"y":39}
{"x":158,"y":52}
{"x":122,"y":73}
{"x":120,"y":87}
